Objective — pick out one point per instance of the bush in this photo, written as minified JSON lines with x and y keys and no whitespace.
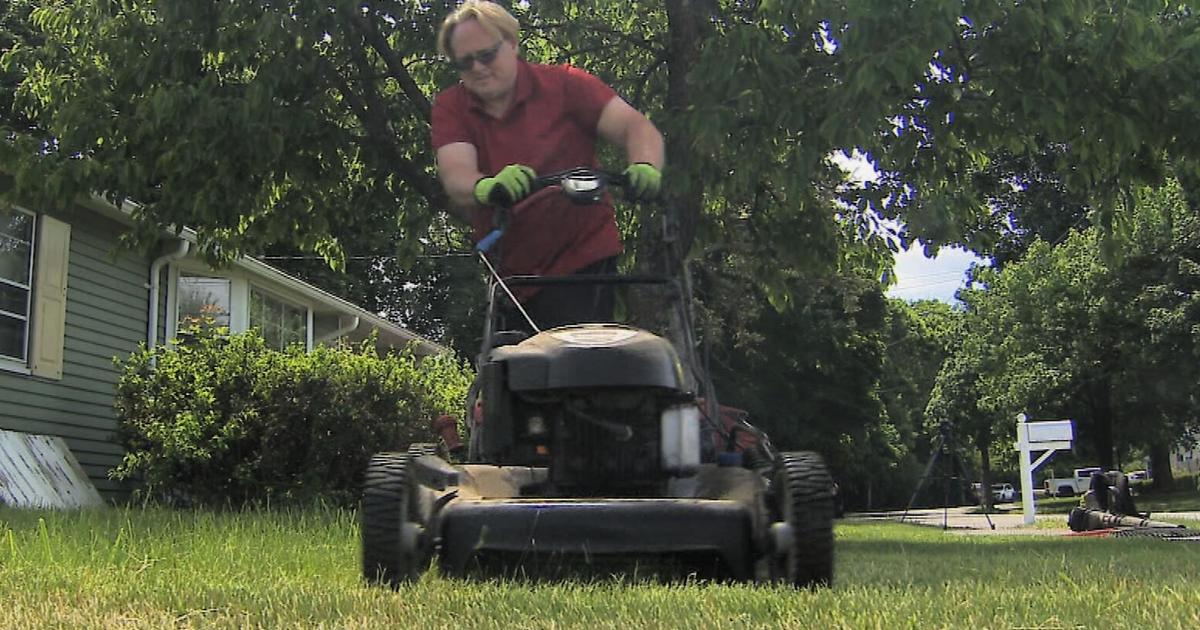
{"x":224,"y":420}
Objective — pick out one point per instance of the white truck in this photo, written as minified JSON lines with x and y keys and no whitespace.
{"x":1070,"y":486}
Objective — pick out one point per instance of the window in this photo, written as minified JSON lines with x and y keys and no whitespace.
{"x":16,"y":280}
{"x":281,"y":324}
{"x":203,"y":300}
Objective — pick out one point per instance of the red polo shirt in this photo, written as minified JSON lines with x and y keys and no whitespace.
{"x":550,"y":127}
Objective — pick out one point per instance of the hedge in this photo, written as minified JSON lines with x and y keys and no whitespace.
{"x":224,"y":420}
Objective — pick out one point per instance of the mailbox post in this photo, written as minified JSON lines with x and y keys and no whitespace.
{"x":1046,"y":436}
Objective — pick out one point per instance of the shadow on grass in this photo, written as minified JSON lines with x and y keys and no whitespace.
{"x":927,"y":557}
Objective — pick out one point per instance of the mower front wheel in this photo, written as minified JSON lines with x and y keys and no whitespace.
{"x":393,"y":551}
{"x":803,"y":494}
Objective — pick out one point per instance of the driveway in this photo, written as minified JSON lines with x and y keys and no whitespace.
{"x":967,"y":520}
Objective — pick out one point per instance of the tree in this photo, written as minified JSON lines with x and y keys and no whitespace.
{"x":1029,"y":202}
{"x":1107,"y":341}
{"x":302,"y":127}
{"x":921,"y":335}
{"x":298,"y":120}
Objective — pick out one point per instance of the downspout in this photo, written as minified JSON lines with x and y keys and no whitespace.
{"x":155,"y":272}
{"x":344,"y":330}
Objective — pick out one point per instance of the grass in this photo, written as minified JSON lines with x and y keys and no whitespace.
{"x":1174,"y":501}
{"x":1169,"y":501}
{"x":156,"y":568}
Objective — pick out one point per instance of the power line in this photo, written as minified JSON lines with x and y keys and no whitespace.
{"x":924,"y":285}
{"x":372,"y":257}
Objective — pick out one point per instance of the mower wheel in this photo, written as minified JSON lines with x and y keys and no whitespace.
{"x":803,"y":492}
{"x":418,"y":449}
{"x":392,"y":549}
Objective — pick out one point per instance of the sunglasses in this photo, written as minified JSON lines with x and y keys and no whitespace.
{"x":485,"y":57}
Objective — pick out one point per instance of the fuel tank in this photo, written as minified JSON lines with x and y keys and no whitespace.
{"x":591,"y":355}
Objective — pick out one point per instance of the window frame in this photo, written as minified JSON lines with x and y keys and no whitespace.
{"x":17,"y":364}
{"x":305,"y":309}
{"x":240,"y":286}
{"x":229,"y":287}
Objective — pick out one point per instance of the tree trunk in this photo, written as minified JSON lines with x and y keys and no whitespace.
{"x":985,"y":476}
{"x":662,"y":248}
{"x":1102,"y":423}
{"x":1160,"y":466}
{"x":685,"y":195}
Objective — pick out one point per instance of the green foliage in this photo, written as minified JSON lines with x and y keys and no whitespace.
{"x":808,"y":374}
{"x":308,"y":121}
{"x":221,"y":419}
{"x":1069,"y":332}
{"x":302,"y":128}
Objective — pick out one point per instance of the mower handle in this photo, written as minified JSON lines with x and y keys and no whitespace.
{"x":582,"y":185}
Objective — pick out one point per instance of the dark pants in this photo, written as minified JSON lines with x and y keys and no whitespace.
{"x":560,"y":305}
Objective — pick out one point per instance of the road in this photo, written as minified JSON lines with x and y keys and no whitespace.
{"x":967,"y":520}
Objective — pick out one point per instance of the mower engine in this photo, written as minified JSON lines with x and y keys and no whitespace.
{"x":601,"y":406}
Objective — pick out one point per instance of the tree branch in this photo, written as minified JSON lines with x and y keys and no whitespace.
{"x":371,"y":113}
{"x":395,"y":65}
{"x":546,"y":28}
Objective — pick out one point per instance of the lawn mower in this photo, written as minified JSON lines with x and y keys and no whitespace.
{"x":598,"y":446}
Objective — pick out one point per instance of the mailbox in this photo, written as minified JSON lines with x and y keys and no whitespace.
{"x":1050,"y":431}
{"x":1047,"y":436}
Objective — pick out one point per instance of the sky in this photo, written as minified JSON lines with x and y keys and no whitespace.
{"x":921,"y":278}
{"x":918,"y":277}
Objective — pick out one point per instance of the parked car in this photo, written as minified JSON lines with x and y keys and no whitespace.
{"x":1001,"y":492}
{"x":1071,"y":486}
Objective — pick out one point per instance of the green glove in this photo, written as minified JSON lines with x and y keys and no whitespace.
{"x":509,"y":186}
{"x":644,"y":181}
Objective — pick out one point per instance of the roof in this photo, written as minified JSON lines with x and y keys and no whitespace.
{"x":391,"y":333}
{"x":388,"y":331}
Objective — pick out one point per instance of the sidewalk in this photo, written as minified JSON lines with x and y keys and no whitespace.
{"x":963,"y":520}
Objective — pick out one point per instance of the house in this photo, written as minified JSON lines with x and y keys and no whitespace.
{"x":1185,"y":460}
{"x":70,"y":303}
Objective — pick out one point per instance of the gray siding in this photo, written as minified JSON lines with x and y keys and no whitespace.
{"x":106,"y":318}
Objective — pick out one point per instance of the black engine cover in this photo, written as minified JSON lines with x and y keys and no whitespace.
{"x":591,"y":355}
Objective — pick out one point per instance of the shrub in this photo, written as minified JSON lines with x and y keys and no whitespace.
{"x":224,"y":420}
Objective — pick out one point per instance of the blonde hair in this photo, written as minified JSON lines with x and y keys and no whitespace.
{"x":491,"y":16}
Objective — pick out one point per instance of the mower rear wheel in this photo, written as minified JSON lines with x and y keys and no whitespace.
{"x":392,"y":548}
{"x":803,"y":493}
{"x":418,"y":449}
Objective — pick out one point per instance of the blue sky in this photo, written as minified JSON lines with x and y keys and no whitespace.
{"x":918,"y":277}
{"x":921,"y":278}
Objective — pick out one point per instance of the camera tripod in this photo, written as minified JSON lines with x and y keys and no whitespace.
{"x":952,"y":471}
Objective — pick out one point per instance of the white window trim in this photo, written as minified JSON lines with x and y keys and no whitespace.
{"x":239,"y":293}
{"x":13,"y":364}
{"x":308,"y":311}
{"x":239,"y":299}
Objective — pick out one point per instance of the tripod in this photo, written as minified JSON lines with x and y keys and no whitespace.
{"x":951,"y":471}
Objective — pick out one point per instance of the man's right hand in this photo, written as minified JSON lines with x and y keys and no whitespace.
{"x":512,"y":184}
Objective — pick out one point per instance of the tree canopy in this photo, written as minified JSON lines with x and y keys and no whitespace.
{"x":300,"y":128}
{"x":1070,"y":333}
{"x":307,"y":121}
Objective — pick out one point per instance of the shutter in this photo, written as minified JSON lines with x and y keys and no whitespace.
{"x":50,"y":297}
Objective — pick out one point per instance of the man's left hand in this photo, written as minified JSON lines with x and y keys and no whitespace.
{"x":644,"y":181}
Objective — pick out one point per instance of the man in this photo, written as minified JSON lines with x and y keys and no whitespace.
{"x":509,"y":120}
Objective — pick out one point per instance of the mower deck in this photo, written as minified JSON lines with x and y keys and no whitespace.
{"x":584,"y":529}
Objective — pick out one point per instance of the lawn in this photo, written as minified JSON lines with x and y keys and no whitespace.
{"x":1173,"y":501}
{"x":156,"y":568}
